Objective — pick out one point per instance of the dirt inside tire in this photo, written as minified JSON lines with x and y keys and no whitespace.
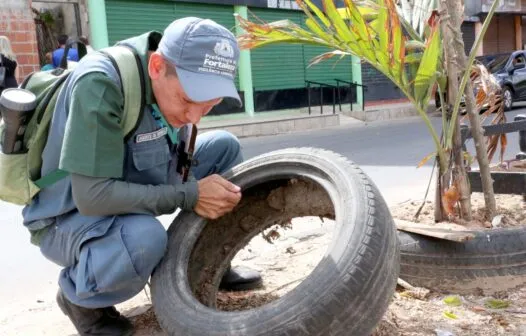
{"x":262,"y":206}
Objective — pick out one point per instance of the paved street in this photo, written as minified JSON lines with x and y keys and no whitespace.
{"x":388,"y":151}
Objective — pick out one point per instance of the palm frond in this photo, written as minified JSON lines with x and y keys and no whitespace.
{"x":372,"y":31}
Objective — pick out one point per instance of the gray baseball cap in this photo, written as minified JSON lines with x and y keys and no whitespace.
{"x":205,"y":55}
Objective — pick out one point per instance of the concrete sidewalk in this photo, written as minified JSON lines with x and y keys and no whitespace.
{"x":388,"y":110}
{"x":293,"y":120}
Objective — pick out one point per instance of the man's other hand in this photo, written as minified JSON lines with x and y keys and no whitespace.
{"x":217,"y":197}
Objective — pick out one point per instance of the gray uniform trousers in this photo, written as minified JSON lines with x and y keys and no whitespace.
{"x":108,"y":260}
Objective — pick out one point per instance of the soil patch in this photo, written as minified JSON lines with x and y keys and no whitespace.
{"x":236,"y":301}
{"x":512,"y":166}
{"x":146,"y":323}
{"x":417,"y":312}
{"x":511,"y":208}
{"x":455,"y":315}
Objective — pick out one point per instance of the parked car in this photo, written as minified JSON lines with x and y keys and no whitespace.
{"x":509,"y":70}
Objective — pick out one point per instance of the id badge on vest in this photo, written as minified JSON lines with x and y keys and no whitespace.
{"x":151,"y":136}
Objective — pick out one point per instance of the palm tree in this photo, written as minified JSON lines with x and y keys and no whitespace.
{"x":403,"y":40}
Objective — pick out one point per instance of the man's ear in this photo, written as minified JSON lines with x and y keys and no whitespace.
{"x":156,"y":66}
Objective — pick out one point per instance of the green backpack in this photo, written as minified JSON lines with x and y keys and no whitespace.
{"x":20,"y":174}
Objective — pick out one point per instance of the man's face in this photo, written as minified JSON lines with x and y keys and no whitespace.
{"x":177,"y":108}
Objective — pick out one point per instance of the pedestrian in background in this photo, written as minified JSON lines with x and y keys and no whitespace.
{"x":49,"y":62}
{"x":73,"y":54}
{"x":8,"y":65}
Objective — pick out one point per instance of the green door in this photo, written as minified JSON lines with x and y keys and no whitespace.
{"x":287,"y":66}
{"x":280,"y":66}
{"x":224,"y":15}
{"x":127,"y":18}
{"x":328,"y":70}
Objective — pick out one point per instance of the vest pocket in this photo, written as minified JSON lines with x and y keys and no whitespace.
{"x":149,"y":158}
{"x":151,"y":162}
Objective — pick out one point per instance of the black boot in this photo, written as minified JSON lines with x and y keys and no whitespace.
{"x":240,"y":278}
{"x":100,"y":322}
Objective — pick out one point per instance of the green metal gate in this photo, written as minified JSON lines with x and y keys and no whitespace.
{"x":287,"y":66}
{"x":127,"y":18}
{"x":328,"y":70}
{"x":280,"y":66}
{"x":224,"y":15}
{"x":273,"y":67}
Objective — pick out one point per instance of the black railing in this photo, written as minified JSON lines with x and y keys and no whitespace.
{"x":503,"y":182}
{"x":518,"y":125}
{"x":295,"y":98}
{"x":321,"y":86}
{"x":350,"y":84}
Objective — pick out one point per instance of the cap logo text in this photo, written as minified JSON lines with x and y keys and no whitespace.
{"x":224,"y":48}
{"x":221,"y":61}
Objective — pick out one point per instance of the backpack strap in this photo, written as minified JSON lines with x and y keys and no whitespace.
{"x":50,"y":98}
{"x":81,"y":47}
{"x":133,"y":81}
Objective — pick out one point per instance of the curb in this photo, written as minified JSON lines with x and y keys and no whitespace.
{"x":301,"y":121}
{"x":385,"y":112}
{"x":247,"y":128}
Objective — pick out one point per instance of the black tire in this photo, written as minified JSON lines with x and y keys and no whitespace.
{"x":494,"y":260}
{"x":346,"y":294}
{"x":507,"y":97}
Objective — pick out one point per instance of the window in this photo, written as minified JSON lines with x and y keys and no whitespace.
{"x":519,"y":60}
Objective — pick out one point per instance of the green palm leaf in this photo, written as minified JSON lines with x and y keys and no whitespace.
{"x":383,"y":36}
{"x":426,"y":74}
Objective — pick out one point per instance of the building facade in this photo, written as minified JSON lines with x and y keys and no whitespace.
{"x":16,"y":22}
{"x":506,"y":33}
{"x":507,"y":29}
{"x":270,"y":78}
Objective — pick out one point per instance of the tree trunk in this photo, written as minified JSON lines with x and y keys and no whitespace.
{"x":456,"y":12}
{"x":460,"y":176}
{"x":482,"y":154}
{"x":439,"y":214}
{"x":450,"y":26}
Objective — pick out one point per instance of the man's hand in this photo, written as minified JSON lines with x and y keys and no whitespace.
{"x":217,"y":197}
